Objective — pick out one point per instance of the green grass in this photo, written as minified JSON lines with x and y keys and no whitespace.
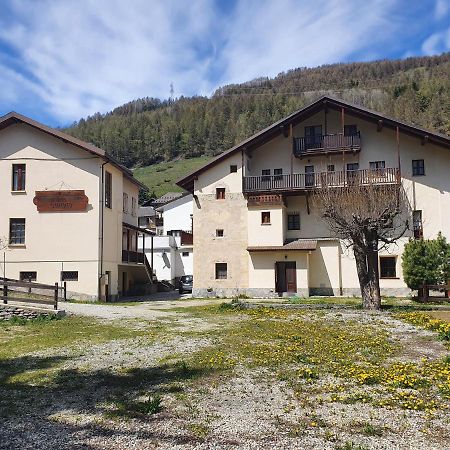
{"x":160,"y":178}
{"x":36,"y":335}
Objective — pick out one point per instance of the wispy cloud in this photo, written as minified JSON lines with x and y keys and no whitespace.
{"x":68,"y":59}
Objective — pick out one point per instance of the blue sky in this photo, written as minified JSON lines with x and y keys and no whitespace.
{"x":66,"y":59}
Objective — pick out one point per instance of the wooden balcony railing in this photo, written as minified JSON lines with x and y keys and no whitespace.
{"x":327,"y":143}
{"x":308,"y":181}
{"x":187,"y":238}
{"x":130,"y":256}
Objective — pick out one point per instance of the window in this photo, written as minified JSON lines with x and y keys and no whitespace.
{"x":377,"y":167}
{"x":265,"y":218}
{"x":352,"y":172}
{"x":133,"y":206}
{"x":16,"y":231}
{"x":278,"y":174}
{"x":69,"y":275}
{"x":233,"y":168}
{"x":309,"y":176}
{"x":18,"y":177}
{"x":418,"y":167}
{"x":219,"y":233}
{"x":108,"y":190}
{"x":387,"y":267}
{"x":294,"y":221}
{"x":221,"y":271}
{"x":265,"y":175}
{"x":185,"y":254}
{"x":350,"y":130}
{"x":417,"y":224}
{"x":28,"y":276}
{"x":125,"y":203}
{"x":220,"y":193}
{"x":330,"y":168}
{"x":313,"y":137}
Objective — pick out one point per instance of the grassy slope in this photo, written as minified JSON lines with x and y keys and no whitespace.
{"x":161,"y":177}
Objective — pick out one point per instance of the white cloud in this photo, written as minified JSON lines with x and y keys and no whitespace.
{"x":441,"y":9}
{"x":77,"y":57}
{"x":437,"y":43}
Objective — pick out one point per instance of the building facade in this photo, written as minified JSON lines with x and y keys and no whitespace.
{"x":170,"y":252}
{"x":69,"y":213}
{"x":256,"y":230}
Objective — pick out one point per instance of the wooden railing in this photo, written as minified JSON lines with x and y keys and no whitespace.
{"x":306,"y":181}
{"x":329,"y":142}
{"x":130,"y":256}
{"x":26,"y":288}
{"x":187,"y":238}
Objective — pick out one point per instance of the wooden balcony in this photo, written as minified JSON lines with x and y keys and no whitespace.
{"x":306,"y":182}
{"x":326,"y":144}
{"x":129,"y":256}
{"x":265,"y":199}
{"x":187,"y":238}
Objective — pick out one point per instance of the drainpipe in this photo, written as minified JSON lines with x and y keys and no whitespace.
{"x":102,"y":209}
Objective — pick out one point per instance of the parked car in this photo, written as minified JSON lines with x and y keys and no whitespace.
{"x":185,"y":284}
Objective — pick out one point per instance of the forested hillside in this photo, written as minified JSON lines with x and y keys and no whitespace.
{"x":148,"y":130}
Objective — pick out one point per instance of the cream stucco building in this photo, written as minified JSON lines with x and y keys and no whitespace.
{"x":68,"y":213}
{"x":256,"y":231}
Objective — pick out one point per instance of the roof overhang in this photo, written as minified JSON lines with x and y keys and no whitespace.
{"x":293,"y":119}
{"x":298,"y":245}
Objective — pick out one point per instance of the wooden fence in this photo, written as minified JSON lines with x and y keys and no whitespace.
{"x":424,"y":292}
{"x":11,"y":288}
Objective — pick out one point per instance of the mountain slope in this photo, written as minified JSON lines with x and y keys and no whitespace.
{"x":148,"y":131}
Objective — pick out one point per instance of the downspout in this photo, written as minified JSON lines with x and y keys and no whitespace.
{"x":102,"y":209}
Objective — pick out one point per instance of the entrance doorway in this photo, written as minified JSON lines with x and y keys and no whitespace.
{"x":285,"y":276}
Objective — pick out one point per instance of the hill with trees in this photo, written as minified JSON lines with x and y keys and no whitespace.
{"x":148,"y":130}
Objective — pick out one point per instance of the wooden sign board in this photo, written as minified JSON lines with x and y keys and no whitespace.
{"x":59,"y":201}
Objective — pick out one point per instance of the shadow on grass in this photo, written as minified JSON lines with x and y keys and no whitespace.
{"x":102,"y":392}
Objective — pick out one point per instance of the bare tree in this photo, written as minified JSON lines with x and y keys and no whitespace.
{"x":368,"y":216}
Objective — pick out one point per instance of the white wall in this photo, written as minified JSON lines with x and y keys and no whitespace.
{"x":177,"y":214}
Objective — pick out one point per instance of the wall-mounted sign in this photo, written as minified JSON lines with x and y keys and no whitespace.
{"x":57,"y":201}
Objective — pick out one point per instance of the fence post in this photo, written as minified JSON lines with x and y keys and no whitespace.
{"x":29,"y":281}
{"x":5,"y":293}
{"x":55,"y":306}
{"x":65,"y":291}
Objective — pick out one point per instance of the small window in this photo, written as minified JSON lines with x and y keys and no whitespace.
{"x":418,"y":167}
{"x":16,"y":231}
{"x":388,"y":267}
{"x":18,"y":177}
{"x":265,"y":218}
{"x":185,"y":254}
{"x":220,"y":193}
{"x":233,"y":168}
{"x":28,"y":276}
{"x":417,"y":224}
{"x":330,"y":168}
{"x":125,"y":203}
{"x":221,"y":271}
{"x":69,"y":275}
{"x":108,"y":190}
{"x":278,"y":174}
{"x":375,"y":165}
{"x":219,"y":233}
{"x":265,"y":175}
{"x":294,"y":221}
{"x":133,"y":206}
{"x":350,"y":130}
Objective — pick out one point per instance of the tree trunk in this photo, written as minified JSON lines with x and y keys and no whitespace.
{"x":367,"y":268}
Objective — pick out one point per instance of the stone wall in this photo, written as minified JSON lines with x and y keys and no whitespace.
{"x":7,"y":312}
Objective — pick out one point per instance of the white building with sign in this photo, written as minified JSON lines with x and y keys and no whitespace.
{"x":68,"y":213}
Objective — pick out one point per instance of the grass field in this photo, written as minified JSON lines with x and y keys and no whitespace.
{"x":160,"y":178}
{"x":221,"y":376}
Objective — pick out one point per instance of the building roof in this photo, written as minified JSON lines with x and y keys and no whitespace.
{"x":282,"y":125}
{"x":13,"y":118}
{"x":146,"y":211}
{"x":297,"y":245}
{"x":166,"y":198}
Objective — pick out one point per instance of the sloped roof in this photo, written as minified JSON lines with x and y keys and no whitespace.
{"x":279,"y":127}
{"x":14,"y":117}
{"x":167,"y":197}
{"x":297,"y":245}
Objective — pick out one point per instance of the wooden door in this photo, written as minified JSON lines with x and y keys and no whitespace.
{"x":291,"y":276}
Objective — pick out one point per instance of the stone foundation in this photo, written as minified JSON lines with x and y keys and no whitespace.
{"x":7,"y":312}
{"x":247,"y":292}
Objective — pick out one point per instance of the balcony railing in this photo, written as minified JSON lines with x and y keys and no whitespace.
{"x":308,"y":181}
{"x":130,"y":256}
{"x":187,"y":238}
{"x":327,"y":143}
